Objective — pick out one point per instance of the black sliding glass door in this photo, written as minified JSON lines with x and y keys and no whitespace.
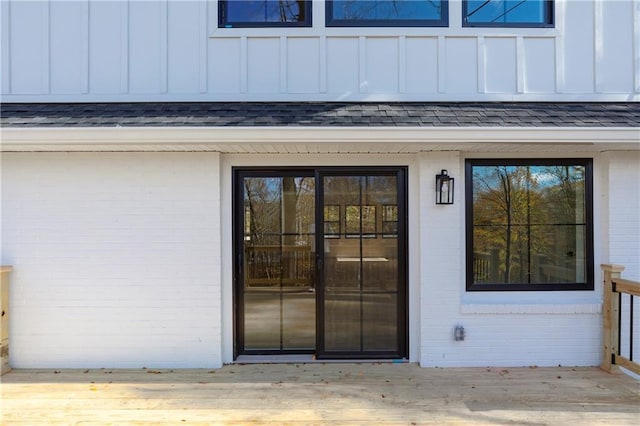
{"x":320,"y":262}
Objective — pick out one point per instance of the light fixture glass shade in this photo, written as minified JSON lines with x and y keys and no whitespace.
{"x":444,"y":188}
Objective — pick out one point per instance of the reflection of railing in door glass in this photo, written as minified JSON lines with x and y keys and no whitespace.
{"x":273,"y":266}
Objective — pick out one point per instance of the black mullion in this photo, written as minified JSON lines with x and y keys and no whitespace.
{"x":528,"y":224}
{"x":403,"y":262}
{"x":281,"y":266}
{"x":320,"y":275}
{"x":362,"y":179}
{"x":619,"y":323}
{"x":237,"y":246}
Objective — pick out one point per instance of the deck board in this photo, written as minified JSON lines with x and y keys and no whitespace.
{"x":321,"y":393}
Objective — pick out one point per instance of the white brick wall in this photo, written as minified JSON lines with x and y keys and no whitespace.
{"x":624,"y":232}
{"x":502,"y":328}
{"x":116,"y":259}
{"x":118,"y":263}
{"x":624,"y":211}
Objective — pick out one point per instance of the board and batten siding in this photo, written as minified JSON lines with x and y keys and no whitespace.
{"x":126,"y":50}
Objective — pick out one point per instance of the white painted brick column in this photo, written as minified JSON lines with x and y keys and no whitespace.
{"x":441,"y":256}
{"x":623,"y":192}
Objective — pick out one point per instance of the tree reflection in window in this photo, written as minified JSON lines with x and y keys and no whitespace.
{"x":503,"y":13}
{"x":360,"y":221}
{"x":387,"y":13}
{"x":529,"y":224}
{"x":259,"y":13}
{"x":332,"y":221}
{"x":390,"y":221}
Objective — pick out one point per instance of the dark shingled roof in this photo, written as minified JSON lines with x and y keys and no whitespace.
{"x":300,"y":114}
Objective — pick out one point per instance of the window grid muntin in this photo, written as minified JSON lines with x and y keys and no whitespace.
{"x":224,"y":22}
{"x":588,"y":225}
{"x":442,"y":22}
{"x":548,"y":18}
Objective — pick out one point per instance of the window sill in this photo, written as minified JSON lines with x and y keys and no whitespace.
{"x":523,"y":309}
{"x":384,"y":32}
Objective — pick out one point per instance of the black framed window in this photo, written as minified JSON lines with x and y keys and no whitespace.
{"x":529,"y":224}
{"x":387,"y":13}
{"x":264,"y":13}
{"x":507,"y":13}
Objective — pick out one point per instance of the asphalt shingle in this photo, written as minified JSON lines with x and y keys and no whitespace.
{"x":304,"y":114}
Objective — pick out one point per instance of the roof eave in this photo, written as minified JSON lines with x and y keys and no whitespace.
{"x":272,"y":139}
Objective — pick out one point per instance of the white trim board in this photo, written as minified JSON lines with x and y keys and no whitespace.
{"x":306,"y":140}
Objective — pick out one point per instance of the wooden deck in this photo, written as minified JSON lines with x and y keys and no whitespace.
{"x":321,"y":394}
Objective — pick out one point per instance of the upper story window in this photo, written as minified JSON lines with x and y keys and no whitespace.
{"x":507,"y":13}
{"x":264,"y":13}
{"x":529,"y":224}
{"x":393,"y":13}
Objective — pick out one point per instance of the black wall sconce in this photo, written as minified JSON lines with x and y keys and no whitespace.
{"x":459,"y":333}
{"x":444,"y":188}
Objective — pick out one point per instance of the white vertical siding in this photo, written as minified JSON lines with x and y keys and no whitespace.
{"x":5,"y":48}
{"x":183,"y":48}
{"x":614,"y":46}
{"x":342,"y":65}
{"x":117,"y":259}
{"x":461,"y":65}
{"x":67,"y":53}
{"x":382,"y":65}
{"x":422,"y":65}
{"x":263,"y":65}
{"x":303,"y":65}
{"x":108,"y":22}
{"x":539,"y":60}
{"x":225,"y":71}
{"x":500,"y":65}
{"x":579,"y":48}
{"x":147,"y":33}
{"x":29,"y":55}
{"x":173,"y":50}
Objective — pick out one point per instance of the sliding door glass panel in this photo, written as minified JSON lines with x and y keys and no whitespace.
{"x":279,"y":263}
{"x":342,"y":255}
{"x":380,"y":269}
{"x":299,"y":320}
{"x":361,"y":265}
{"x":380,"y":322}
{"x":342,"y":321}
{"x":261,"y":320}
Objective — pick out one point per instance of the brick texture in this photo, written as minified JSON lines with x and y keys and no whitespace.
{"x":116,"y":259}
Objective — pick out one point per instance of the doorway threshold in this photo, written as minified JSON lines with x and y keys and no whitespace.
{"x":309,"y":359}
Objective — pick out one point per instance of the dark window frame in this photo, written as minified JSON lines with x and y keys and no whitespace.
{"x":549,"y":21}
{"x":330,"y":22}
{"x":319,"y":172}
{"x":337,"y":221}
{"x":223,"y":22}
{"x":589,"y":229}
